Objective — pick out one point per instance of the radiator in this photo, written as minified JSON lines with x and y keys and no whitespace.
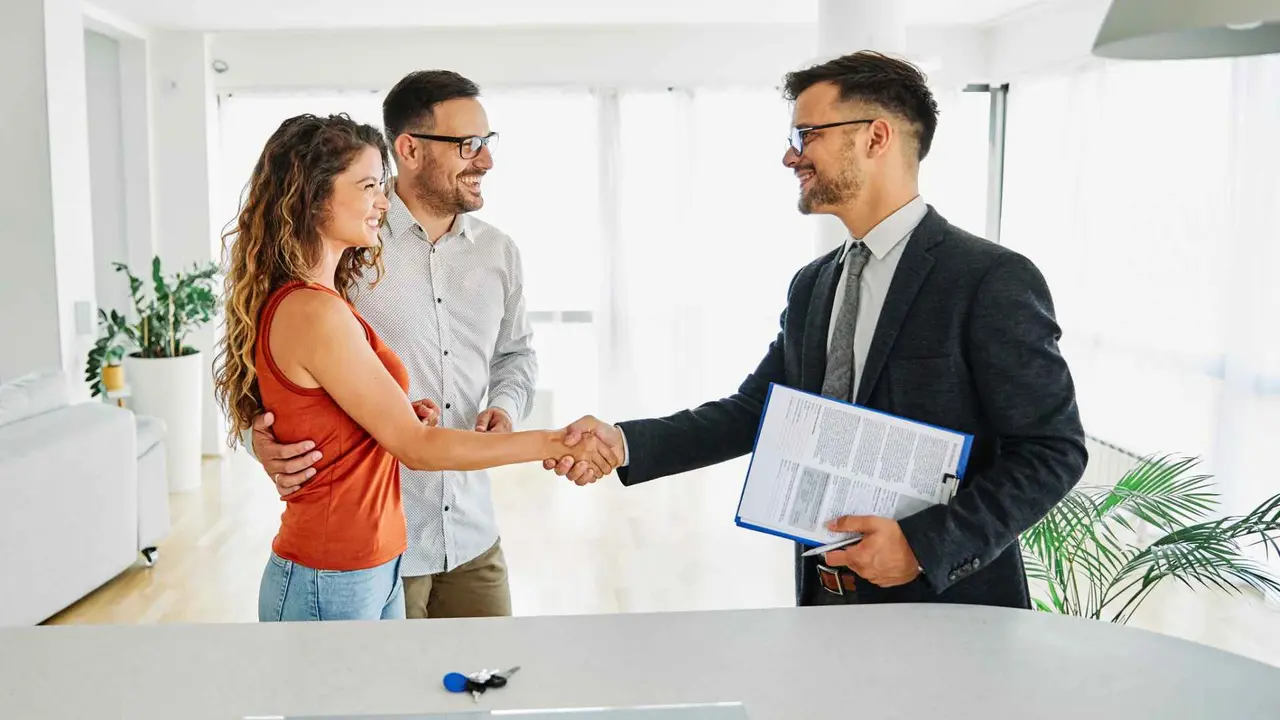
{"x":1107,"y":463}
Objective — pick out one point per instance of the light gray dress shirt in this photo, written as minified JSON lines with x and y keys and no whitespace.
{"x":886,"y":241}
{"x":454,"y":312}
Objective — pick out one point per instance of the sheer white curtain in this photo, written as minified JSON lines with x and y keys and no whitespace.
{"x":708,"y":238}
{"x":1147,"y":193}
{"x":542,"y":192}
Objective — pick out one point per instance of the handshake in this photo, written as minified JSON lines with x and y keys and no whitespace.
{"x":586,"y":450}
{"x":591,"y":450}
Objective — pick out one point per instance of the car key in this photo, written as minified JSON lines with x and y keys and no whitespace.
{"x":498,"y":680}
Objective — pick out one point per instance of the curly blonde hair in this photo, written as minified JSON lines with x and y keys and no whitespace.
{"x":276,"y":240}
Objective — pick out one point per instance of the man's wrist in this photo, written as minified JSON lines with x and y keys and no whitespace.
{"x":626,"y":450}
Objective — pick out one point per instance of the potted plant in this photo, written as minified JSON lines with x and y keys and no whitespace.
{"x":165,"y":374}
{"x":104,"y":372}
{"x":1087,"y":554}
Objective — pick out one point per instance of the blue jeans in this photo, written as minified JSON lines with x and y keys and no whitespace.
{"x":290,"y":591}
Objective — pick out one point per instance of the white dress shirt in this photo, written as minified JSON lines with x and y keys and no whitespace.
{"x":886,"y":241}
{"x":454,"y":313}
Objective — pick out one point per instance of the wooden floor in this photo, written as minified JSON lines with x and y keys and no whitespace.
{"x":668,"y":545}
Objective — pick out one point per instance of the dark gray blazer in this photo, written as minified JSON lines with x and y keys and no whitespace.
{"x":967,"y":340}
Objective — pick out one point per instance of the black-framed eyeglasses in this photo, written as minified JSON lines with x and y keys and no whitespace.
{"x":468,"y":147}
{"x":796,"y":141}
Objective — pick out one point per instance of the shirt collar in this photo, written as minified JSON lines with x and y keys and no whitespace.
{"x":892,"y":230}
{"x":399,"y":220}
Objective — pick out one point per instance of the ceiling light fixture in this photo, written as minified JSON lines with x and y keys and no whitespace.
{"x":1184,"y":29}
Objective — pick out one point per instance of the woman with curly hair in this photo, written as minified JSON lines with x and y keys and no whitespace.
{"x":295,"y":346}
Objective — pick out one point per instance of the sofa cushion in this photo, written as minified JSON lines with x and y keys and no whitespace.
{"x":33,"y":394}
{"x":151,"y":431}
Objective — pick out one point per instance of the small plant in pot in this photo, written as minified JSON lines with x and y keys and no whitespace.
{"x":104,"y":372}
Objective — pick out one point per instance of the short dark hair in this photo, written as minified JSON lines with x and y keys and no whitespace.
{"x":894,"y":85}
{"x":411,"y":102}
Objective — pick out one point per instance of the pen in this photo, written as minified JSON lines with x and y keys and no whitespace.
{"x":833,"y":546}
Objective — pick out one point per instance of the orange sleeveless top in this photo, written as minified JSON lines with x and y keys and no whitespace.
{"x":349,"y":516}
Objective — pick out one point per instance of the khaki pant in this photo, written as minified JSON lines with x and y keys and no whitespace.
{"x":474,"y":589}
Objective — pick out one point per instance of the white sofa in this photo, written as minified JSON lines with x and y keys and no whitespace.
{"x":74,"y":510}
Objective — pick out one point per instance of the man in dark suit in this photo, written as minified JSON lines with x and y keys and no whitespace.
{"x":912,"y":316}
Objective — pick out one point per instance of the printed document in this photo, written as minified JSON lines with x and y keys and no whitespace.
{"x":817,"y":459}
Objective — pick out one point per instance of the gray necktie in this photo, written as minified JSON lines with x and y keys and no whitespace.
{"x":838,"y":381}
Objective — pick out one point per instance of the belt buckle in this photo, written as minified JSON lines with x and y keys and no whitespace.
{"x":823,"y":572}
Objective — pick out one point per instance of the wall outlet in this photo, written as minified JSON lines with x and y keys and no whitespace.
{"x":84,"y":317}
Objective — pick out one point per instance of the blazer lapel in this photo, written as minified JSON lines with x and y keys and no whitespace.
{"x":913,"y":268}
{"x":818,"y":321}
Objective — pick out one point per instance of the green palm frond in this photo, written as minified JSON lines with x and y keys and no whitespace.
{"x":1161,"y":492}
{"x":1085,"y":551}
{"x":1204,"y":555}
{"x":1072,"y":545}
{"x":1262,"y":525}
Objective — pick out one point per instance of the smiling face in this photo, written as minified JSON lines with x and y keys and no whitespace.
{"x":830,"y":170}
{"x":356,"y":202}
{"x":444,"y":181}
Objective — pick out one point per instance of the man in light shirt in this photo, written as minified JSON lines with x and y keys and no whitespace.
{"x":451,"y":306}
{"x":911,"y":316}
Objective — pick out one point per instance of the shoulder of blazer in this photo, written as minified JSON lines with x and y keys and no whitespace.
{"x":959,"y":246}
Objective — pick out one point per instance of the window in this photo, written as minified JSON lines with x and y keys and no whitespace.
{"x":1147,"y":194}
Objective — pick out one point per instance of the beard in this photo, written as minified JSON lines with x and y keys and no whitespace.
{"x":443,"y":194}
{"x":826,"y":191}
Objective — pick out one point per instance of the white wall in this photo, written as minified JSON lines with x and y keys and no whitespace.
{"x":645,"y":56}
{"x":184,"y":117}
{"x":106,"y":168}
{"x":45,"y":228}
{"x":28,"y":296}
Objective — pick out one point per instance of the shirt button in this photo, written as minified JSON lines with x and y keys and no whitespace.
{"x":446,"y":352}
{"x":446,"y":508}
{"x":439,"y":300}
{"x":447,"y":406}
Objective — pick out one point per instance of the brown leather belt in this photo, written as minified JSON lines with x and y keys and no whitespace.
{"x":836,"y":580}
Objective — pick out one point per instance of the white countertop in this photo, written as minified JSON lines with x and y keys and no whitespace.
{"x":869,"y":663}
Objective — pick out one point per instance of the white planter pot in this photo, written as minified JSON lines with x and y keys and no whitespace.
{"x":170,"y":389}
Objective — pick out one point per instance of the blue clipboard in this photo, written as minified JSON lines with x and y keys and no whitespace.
{"x":961,"y":465}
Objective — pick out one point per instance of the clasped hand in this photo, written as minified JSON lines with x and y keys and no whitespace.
{"x":602,"y":435}
{"x":579,"y":446}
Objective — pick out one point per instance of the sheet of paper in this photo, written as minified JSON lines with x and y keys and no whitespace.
{"x":817,"y":459}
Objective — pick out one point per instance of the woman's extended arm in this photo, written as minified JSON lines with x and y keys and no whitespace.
{"x":326,"y":339}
